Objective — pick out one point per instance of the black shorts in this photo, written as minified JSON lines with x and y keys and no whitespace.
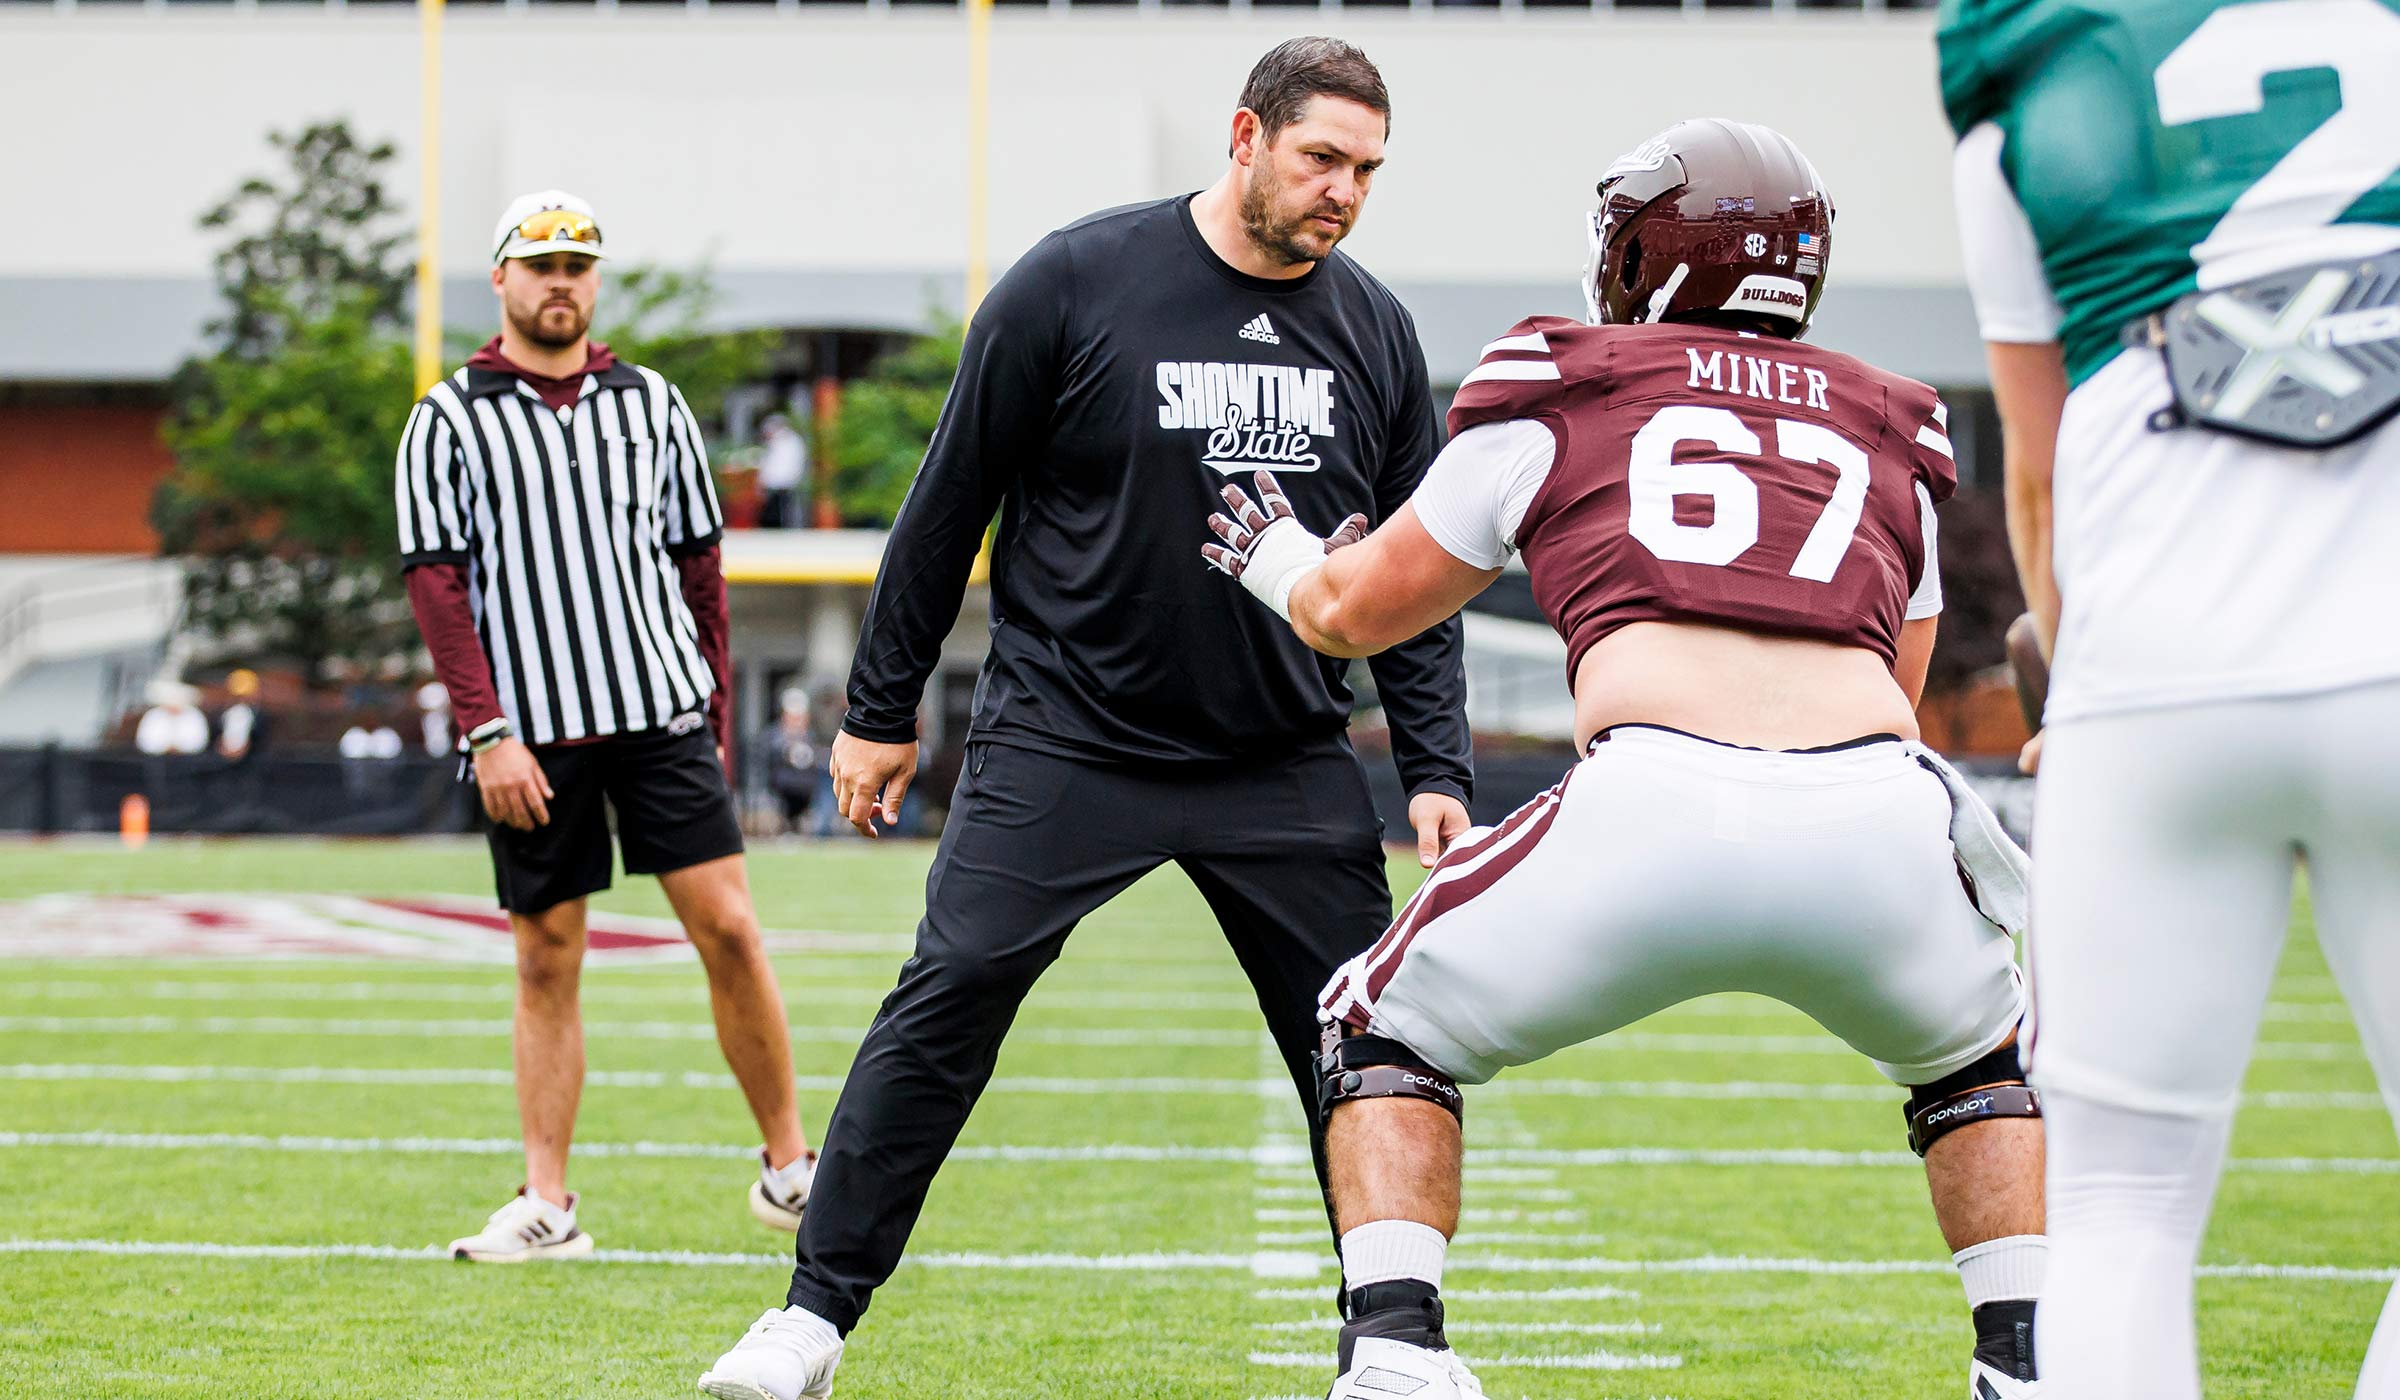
{"x":673,"y":811}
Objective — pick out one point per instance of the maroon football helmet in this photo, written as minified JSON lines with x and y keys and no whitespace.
{"x":1707,"y":217}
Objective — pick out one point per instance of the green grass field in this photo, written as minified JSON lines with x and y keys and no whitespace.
{"x":1195,"y":1267}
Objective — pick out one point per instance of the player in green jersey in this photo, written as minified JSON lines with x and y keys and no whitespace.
{"x":2182,"y":228}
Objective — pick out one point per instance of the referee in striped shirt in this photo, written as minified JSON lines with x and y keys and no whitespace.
{"x":558,"y":533}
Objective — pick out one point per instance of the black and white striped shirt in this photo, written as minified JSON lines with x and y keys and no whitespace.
{"x":571,"y":521}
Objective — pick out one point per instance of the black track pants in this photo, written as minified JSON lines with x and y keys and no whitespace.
{"x":1288,"y":856}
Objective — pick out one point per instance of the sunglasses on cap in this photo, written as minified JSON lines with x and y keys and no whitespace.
{"x":554,"y":226}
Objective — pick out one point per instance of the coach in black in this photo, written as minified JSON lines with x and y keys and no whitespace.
{"x":1129,"y":715}
{"x":559,"y":533}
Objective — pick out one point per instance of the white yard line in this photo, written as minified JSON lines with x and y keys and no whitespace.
{"x":501,"y":990}
{"x":1130,"y":1036}
{"x":2306,"y":1051}
{"x":1463,"y":1237}
{"x":1543,"y":1194}
{"x":1270,"y":1215}
{"x":1594,"y":1294}
{"x":1584,"y":1361}
{"x":1277,"y":1088}
{"x":1527,"y":1329}
{"x":1155,"y":1263}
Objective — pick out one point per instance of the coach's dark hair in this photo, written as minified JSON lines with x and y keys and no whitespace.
{"x":1299,"y":69}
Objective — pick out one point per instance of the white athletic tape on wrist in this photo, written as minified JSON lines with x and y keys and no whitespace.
{"x":1284,"y":554}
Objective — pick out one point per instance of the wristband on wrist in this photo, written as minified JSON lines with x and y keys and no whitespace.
{"x":489,"y":734}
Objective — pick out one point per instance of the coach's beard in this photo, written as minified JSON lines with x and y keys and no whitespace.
{"x":544,"y":332}
{"x":1282,"y":239}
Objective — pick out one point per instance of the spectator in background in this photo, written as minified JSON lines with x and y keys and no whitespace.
{"x":782,"y":470}
{"x":381,"y":743}
{"x":242,"y":728}
{"x":832,"y":704}
{"x":173,"y":724}
{"x":365,"y":753}
{"x":788,"y":752}
{"x":433,"y":705}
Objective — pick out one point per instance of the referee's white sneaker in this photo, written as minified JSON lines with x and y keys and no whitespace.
{"x":778,"y":1198}
{"x":528,"y":1227}
{"x":788,"y":1354}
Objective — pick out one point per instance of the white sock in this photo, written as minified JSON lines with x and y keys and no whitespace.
{"x":1383,"y":1250}
{"x":813,"y":1327}
{"x":2005,"y":1270}
{"x":793,"y":1178}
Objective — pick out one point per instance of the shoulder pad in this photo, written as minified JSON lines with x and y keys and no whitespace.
{"x":1520,"y":375}
{"x":1920,"y":417}
{"x":1988,"y":47}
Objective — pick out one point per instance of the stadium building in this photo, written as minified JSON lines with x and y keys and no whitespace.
{"x":820,"y":160}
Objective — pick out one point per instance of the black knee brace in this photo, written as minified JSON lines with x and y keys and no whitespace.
{"x":1373,"y":1067}
{"x":1992,"y":1087}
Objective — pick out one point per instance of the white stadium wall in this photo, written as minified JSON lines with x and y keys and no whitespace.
{"x":819,"y":161}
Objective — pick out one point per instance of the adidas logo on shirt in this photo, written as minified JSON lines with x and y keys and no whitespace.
{"x":1260,"y":329}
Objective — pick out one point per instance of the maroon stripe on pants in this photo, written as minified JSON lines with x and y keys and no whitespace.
{"x":1540,"y":813}
{"x":1457,"y":855}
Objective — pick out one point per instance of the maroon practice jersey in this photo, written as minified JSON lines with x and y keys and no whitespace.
{"x":1707,"y":475}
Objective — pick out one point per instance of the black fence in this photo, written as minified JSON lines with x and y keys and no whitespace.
{"x":58,"y":789}
{"x":55,"y":789}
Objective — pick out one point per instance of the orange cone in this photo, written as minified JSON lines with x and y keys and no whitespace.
{"x":133,"y":820}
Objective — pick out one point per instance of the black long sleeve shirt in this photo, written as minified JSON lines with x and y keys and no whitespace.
{"x":1110,"y":384}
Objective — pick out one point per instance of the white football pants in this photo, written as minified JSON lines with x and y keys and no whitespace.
{"x":2165,"y":842}
{"x":1664,"y":867}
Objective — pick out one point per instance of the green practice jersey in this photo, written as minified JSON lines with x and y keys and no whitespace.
{"x":2151,"y":140}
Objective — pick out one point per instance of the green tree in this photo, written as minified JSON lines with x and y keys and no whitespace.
{"x":283,"y":435}
{"x":329,"y":242}
{"x":887,"y":418}
{"x":656,"y":316}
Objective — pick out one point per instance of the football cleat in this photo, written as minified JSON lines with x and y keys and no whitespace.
{"x":528,"y":1227}
{"x":1380,"y":1368}
{"x":778,"y":1198}
{"x":788,"y":1354}
{"x":1986,"y":1383}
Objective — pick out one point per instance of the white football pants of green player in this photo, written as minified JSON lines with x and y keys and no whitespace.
{"x":1666,"y":867}
{"x":2223,"y":678}
{"x":2169,"y":839}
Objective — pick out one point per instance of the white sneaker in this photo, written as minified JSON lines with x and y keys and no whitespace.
{"x":777,"y":1198}
{"x":1383,"y":1369}
{"x":1986,"y":1383}
{"x":788,"y":1354}
{"x":528,"y":1227}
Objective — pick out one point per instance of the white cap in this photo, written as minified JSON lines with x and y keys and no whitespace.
{"x":506,"y":243}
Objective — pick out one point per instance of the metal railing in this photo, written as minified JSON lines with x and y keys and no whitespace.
{"x":37,"y":609}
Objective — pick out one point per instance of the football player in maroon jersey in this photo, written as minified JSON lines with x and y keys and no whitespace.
{"x":1734,"y":532}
